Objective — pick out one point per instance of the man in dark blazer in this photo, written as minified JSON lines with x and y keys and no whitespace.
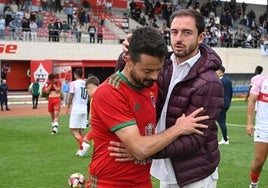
{"x":228,"y":94}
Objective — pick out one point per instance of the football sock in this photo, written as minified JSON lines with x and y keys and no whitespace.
{"x":80,"y":141}
{"x":55,"y":124}
{"x":254,"y":177}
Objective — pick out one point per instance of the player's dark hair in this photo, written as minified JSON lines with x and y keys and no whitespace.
{"x":147,"y":40}
{"x":51,"y":76}
{"x":78,"y":72}
{"x":93,"y":80}
{"x":258,"y":70}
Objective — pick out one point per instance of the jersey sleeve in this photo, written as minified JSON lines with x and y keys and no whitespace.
{"x":255,"y":89}
{"x":72,"y":87}
{"x":112,"y":107}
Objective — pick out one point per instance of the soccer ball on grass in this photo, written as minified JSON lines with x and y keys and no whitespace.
{"x":76,"y":180}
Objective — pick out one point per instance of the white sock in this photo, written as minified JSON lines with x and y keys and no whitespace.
{"x":55,"y":124}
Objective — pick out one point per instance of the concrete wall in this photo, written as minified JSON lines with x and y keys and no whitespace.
{"x":241,"y":60}
{"x":235,"y":60}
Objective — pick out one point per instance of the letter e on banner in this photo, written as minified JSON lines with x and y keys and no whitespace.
{"x":8,"y":49}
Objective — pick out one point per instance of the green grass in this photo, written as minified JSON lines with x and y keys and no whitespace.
{"x":31,"y":157}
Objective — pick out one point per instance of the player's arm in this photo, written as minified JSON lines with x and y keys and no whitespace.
{"x":251,"y":113}
{"x":57,"y":86}
{"x":47,"y":88}
{"x":209,"y":96}
{"x":142,"y":147}
{"x":69,"y":103}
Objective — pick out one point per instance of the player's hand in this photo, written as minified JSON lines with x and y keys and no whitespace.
{"x":250,"y":130}
{"x":67,"y":110}
{"x":189,"y":124}
{"x":118,"y":150}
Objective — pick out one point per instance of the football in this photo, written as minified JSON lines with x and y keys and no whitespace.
{"x":76,"y":180}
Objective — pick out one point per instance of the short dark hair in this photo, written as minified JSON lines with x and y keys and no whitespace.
{"x":51,"y":76}
{"x":93,"y":80}
{"x":258,"y":70}
{"x":222,"y":68}
{"x":147,"y":40}
{"x":199,"y":19}
{"x":78,"y":72}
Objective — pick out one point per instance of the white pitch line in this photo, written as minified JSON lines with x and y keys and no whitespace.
{"x":236,"y":125}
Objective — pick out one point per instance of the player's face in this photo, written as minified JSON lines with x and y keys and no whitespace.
{"x":184,"y":37}
{"x":51,"y":81}
{"x":145,"y":72}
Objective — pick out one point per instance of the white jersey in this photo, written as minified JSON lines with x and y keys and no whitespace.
{"x":260,"y":88}
{"x":253,"y":81}
{"x":80,"y":98}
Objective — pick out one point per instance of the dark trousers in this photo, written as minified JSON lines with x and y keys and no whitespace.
{"x":4,"y":102}
{"x":35,"y":100}
{"x":222,"y":123}
{"x":92,"y":37}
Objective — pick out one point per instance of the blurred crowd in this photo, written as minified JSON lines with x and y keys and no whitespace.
{"x":228,"y":24}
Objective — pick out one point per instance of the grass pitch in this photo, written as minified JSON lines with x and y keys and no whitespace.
{"x":31,"y":157}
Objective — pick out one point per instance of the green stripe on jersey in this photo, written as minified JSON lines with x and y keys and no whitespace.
{"x":122,"y":125}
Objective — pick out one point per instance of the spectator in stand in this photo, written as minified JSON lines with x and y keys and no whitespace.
{"x":142,"y":20}
{"x":44,"y":5}
{"x":75,"y":18}
{"x":80,"y":31}
{"x":27,"y":14}
{"x":84,"y":18}
{"x":33,"y":28}
{"x":12,"y":28}
{"x":109,"y":5}
{"x":165,"y":32}
{"x":8,"y":16}
{"x":58,"y":29}
{"x":244,"y":7}
{"x":26,"y":29}
{"x":3,"y":94}
{"x":65,"y":31}
{"x":239,"y":38}
{"x":102,"y":17}
{"x":39,"y":19}
{"x":18,"y":24}
{"x":69,"y":10}
{"x":2,"y":27}
{"x":132,"y":6}
{"x":14,"y":8}
{"x":51,"y":31}
{"x":92,"y":30}
{"x":214,"y":39}
{"x":100,"y":32}
{"x":20,"y":13}
{"x":57,"y":6}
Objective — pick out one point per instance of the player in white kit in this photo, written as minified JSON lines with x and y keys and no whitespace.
{"x":258,"y":92}
{"x":78,"y":99}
